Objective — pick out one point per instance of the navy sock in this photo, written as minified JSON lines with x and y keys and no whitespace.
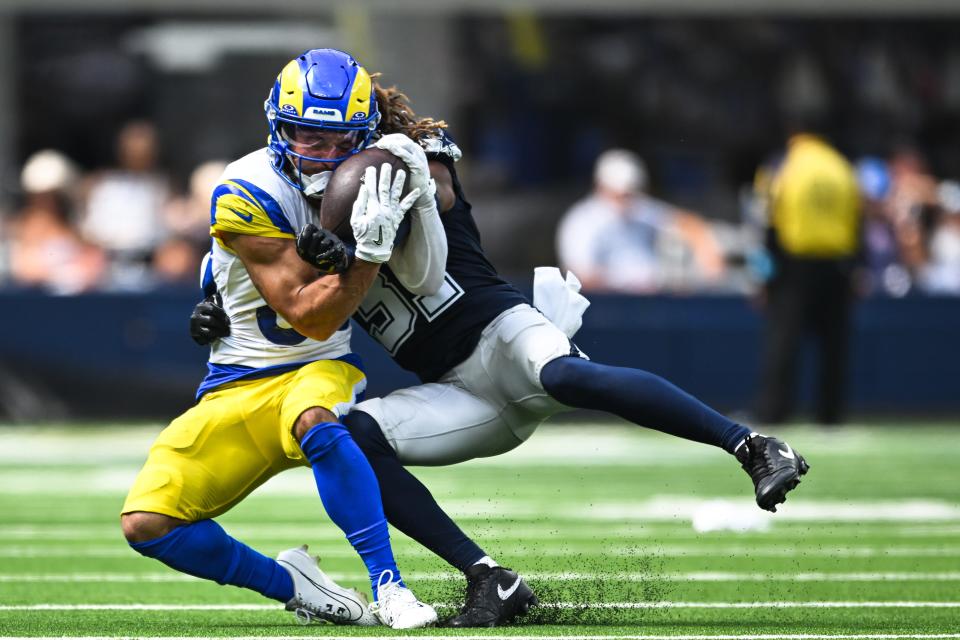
{"x":408,"y":504}
{"x":203,"y":549}
{"x":640,"y":397}
{"x":349,"y":492}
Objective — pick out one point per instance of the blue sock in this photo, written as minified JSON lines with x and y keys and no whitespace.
{"x":640,"y":397}
{"x":203,"y":549}
{"x":407,"y":502}
{"x":349,"y":492}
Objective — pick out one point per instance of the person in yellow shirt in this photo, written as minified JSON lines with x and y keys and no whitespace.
{"x":813,"y":239}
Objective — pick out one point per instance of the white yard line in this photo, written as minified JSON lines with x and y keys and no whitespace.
{"x":686,"y":508}
{"x":783,"y":604}
{"x":708,"y":550}
{"x":582,"y":548}
{"x":661,"y":509}
{"x":608,"y":443}
{"x":722,"y":576}
{"x":539,"y":532}
{"x":779,"y":636}
{"x":564,"y":576}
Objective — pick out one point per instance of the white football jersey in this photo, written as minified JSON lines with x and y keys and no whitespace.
{"x":252,"y":199}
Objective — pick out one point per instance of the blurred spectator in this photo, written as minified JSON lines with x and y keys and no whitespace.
{"x":177,"y":262}
{"x":188,"y":216}
{"x":124,"y":207}
{"x":942,"y":273}
{"x":187,"y":219}
{"x":913,"y":205}
{"x":620,"y":239}
{"x":814,"y":210}
{"x":45,"y":249}
{"x":882,"y":271}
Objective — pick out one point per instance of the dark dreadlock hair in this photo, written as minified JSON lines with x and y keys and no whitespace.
{"x":398,"y":117}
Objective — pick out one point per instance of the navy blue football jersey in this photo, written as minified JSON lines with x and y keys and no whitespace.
{"x":429,"y":335}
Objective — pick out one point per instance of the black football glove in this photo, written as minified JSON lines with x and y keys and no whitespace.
{"x":209,"y":321}
{"x":323,"y":250}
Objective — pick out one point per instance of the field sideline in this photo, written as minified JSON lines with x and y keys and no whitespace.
{"x":599,"y":517}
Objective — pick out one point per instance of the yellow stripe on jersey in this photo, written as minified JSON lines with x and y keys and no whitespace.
{"x":241,"y":207}
{"x":291,"y":91}
{"x":359,"y":96}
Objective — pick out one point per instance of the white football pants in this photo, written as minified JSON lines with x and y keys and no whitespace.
{"x":486,"y":405}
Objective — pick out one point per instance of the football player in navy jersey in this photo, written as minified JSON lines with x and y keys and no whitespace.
{"x":492,"y":369}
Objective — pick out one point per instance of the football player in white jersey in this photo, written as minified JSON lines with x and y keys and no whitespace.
{"x":493,"y":368}
{"x":279,"y":385}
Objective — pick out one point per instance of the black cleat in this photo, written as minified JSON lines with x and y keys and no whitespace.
{"x":495,"y":596}
{"x":773,"y":466}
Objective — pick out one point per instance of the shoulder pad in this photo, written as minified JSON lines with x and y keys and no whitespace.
{"x":251,"y":199}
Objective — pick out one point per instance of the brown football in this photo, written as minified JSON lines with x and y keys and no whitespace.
{"x":344,"y":185}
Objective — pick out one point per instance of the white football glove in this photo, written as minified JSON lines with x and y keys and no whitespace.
{"x":377,"y":213}
{"x":414,"y":157}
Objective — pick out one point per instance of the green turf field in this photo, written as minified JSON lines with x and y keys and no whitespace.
{"x":599,"y":518}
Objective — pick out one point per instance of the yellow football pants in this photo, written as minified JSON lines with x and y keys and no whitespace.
{"x":235,"y":439}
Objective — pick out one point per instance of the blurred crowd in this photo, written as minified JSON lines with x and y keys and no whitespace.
{"x":911,"y":227}
{"x":620,"y":238}
{"x":909,"y":239}
{"x":121,"y":228}
{"x":128,"y":228}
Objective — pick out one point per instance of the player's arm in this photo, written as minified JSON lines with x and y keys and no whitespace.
{"x":421,"y":261}
{"x":444,"y":181}
{"x":315,"y":306}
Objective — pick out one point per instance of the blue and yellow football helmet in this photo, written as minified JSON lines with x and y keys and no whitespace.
{"x":322,"y":90}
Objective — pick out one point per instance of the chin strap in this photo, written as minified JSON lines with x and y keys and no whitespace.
{"x":316,"y":184}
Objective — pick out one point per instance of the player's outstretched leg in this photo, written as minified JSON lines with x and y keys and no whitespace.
{"x":349,"y":492}
{"x":494,"y":596}
{"x":650,"y":401}
{"x":203,"y":549}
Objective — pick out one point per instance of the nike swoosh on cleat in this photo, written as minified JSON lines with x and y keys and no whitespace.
{"x":788,"y":453}
{"x":504,"y":595}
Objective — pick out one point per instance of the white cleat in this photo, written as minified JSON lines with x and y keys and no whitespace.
{"x":398,"y":608}
{"x":317,"y":596}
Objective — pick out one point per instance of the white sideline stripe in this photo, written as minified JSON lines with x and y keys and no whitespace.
{"x":554,"y":443}
{"x":719,"y":576}
{"x":114,"y":481}
{"x":555,"y":605}
{"x":664,"y":508}
{"x":798,"y":636}
{"x":705,"y":550}
{"x":572,"y":530}
{"x":701,"y":576}
{"x":673,"y":508}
